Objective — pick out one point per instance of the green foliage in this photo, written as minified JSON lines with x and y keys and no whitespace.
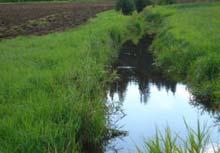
{"x":115,"y":36}
{"x":136,"y":25}
{"x":207,"y":68}
{"x":165,"y":2}
{"x":126,"y":6}
{"x":129,"y":6}
{"x":52,"y":87}
{"x":187,"y":44}
{"x":141,"y":4}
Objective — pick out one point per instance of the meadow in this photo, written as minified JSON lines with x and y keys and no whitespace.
{"x":187,"y":45}
{"x":52,"y":90}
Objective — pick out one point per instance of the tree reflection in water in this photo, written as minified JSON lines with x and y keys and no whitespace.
{"x":135,"y":64}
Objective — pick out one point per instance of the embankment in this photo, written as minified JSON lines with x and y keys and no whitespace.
{"x":187,"y":45}
{"x":52,"y":89}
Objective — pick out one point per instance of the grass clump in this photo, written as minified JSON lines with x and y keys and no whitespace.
{"x":197,"y":141}
{"x":187,"y":44}
{"x":52,"y":87}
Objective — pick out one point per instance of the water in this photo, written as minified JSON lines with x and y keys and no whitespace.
{"x":147,"y":99}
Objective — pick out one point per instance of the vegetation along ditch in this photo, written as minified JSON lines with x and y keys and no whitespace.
{"x":144,"y":98}
{"x":185,"y":50}
{"x":54,"y":87}
{"x":187,"y":47}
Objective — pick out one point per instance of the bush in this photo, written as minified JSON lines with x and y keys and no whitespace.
{"x":141,"y":4}
{"x":165,"y":2}
{"x":126,"y":6}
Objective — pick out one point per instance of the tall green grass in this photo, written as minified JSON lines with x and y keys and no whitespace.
{"x":52,"y":97}
{"x":187,"y":44}
{"x":197,"y":141}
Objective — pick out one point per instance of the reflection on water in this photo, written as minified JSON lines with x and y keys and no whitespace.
{"x":135,"y":65}
{"x":150,"y":99}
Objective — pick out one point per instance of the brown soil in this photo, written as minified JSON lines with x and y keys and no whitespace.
{"x":44,"y":18}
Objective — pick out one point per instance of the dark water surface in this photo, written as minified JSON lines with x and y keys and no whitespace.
{"x":146,"y":99}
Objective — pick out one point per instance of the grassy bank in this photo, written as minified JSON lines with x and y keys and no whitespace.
{"x":187,"y":44}
{"x":52,"y":87}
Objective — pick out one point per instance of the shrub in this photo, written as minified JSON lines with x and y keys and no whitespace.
{"x":141,"y":4}
{"x":165,"y":2}
{"x":126,"y":6}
